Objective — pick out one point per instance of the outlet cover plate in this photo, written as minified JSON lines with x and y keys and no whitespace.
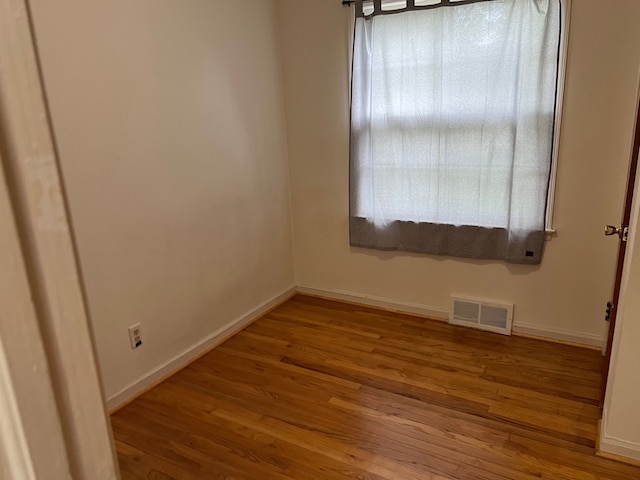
{"x":135,"y":336}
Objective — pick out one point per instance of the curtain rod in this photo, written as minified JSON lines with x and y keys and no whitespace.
{"x":443,"y":3}
{"x":410,"y":5}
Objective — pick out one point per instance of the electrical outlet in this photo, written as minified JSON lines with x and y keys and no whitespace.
{"x":135,"y":336}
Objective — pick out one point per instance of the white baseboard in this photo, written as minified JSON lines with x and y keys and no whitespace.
{"x":439,"y":313}
{"x":582,"y":338}
{"x":370,"y":300}
{"x":609,"y":445}
{"x":621,"y":448}
{"x":224,"y":333}
{"x":187,"y":356}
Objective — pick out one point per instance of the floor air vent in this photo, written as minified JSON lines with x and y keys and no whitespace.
{"x":491,"y":316}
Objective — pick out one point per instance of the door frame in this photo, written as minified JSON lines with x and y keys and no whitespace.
{"x":47,"y":309}
{"x":608,"y":445}
{"x":27,"y":400}
{"x":622,"y":250}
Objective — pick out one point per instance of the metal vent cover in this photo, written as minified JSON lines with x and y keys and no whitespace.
{"x":482,"y":314}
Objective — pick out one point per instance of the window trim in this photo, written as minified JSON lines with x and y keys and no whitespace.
{"x":565,"y":21}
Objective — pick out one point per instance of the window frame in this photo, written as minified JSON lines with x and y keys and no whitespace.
{"x":563,"y":48}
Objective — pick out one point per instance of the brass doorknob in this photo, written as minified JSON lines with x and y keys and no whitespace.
{"x":611,"y":230}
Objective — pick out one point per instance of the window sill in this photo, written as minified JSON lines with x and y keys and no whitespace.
{"x":549,"y":233}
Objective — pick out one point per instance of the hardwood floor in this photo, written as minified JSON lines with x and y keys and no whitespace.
{"x":324,"y":390}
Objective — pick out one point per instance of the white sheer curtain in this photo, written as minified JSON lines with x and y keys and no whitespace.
{"x":452,"y":124}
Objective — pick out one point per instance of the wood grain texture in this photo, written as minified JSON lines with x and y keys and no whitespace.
{"x":323,"y":390}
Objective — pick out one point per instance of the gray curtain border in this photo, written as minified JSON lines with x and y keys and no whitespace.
{"x":464,"y":241}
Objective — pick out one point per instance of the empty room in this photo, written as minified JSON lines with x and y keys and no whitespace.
{"x":319,"y":239}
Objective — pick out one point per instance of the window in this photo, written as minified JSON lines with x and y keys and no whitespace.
{"x":453,"y":115}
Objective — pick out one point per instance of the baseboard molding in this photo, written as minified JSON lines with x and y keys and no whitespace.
{"x":437,"y":313}
{"x":558,"y":334}
{"x":620,"y":450}
{"x":379,"y":302}
{"x":170,"y":367}
{"x":192,"y":353}
{"x":619,"y":458}
{"x":615,"y":448}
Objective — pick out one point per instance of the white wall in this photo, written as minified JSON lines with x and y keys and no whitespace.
{"x":171,"y":129}
{"x":620,"y":433}
{"x":566,"y":295}
{"x":170,"y":126}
